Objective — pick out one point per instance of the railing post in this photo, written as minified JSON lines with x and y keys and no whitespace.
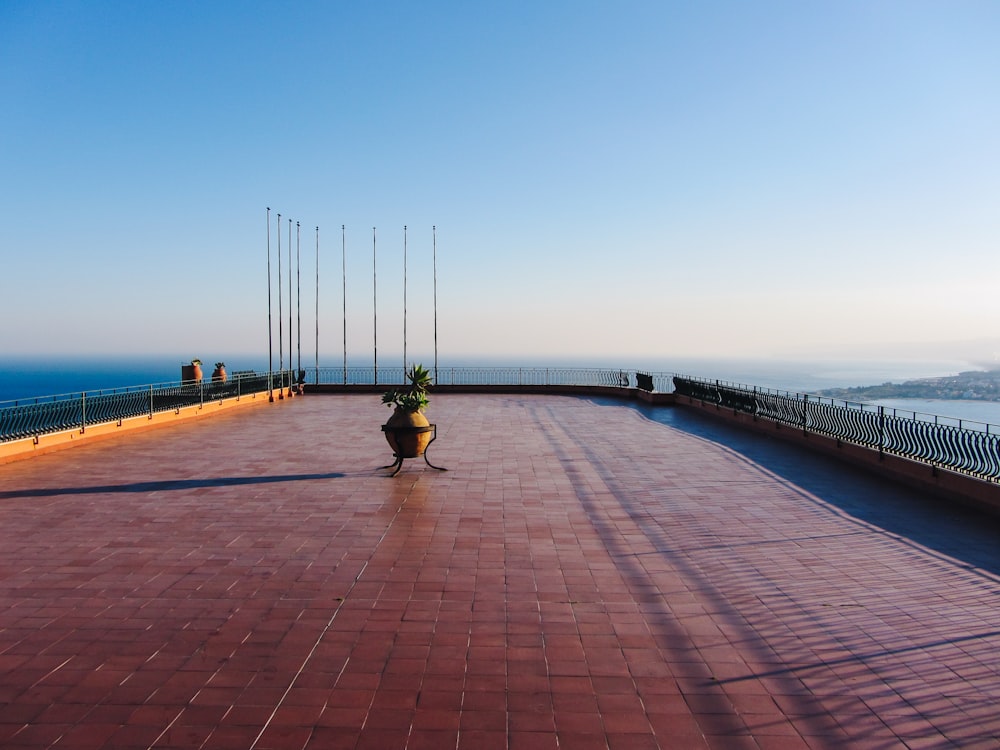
{"x":805,"y":413}
{"x":201,"y":392}
{"x":150,"y":400}
{"x":83,"y":412}
{"x":881,"y":432}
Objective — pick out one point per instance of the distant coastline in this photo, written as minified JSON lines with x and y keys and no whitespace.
{"x":973,"y":385}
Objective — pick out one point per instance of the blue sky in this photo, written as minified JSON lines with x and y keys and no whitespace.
{"x":634,"y":180}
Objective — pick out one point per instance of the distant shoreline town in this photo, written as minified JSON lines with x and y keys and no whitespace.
{"x":975,"y":385}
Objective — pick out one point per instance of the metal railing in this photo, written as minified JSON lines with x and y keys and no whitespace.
{"x":27,"y":418}
{"x":486,"y":376}
{"x":965,"y":446}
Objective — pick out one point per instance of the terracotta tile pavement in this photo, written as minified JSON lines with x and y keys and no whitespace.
{"x":587,"y":574}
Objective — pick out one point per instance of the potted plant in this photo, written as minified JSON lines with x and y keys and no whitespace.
{"x":191,"y":373}
{"x":219,"y":373}
{"x":407,"y":431}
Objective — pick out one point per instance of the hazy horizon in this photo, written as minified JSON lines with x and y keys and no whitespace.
{"x":982,"y":354}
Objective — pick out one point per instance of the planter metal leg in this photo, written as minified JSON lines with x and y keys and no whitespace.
{"x":426,"y":460}
{"x":396,"y":466}
{"x":398,"y":463}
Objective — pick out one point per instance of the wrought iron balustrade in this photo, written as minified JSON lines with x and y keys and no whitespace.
{"x":961,"y":445}
{"x":485,"y":376}
{"x":27,"y":418}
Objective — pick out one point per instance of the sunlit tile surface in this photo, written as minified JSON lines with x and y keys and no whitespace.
{"x":587,"y":574}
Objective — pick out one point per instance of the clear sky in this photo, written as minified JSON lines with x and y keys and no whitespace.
{"x":607,"y":179}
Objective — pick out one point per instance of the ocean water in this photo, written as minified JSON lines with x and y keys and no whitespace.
{"x":972,"y":414}
{"x":30,"y":377}
{"x":802,"y":376}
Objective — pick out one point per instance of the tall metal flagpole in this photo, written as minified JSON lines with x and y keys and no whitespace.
{"x":343,"y":263}
{"x":281,"y":341}
{"x":270,"y":347}
{"x":298,"y":302}
{"x":375,"y":304}
{"x":290,"y":329}
{"x":317,"y":305}
{"x":434,"y":228}
{"x":404,"y":297}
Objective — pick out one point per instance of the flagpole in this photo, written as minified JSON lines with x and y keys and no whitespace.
{"x":434,"y":229}
{"x":343,"y":263}
{"x":270,"y":337}
{"x":375,"y":306}
{"x":404,"y":298}
{"x":298,"y":304}
{"x":317,"y":306}
{"x":290,"y":329}
{"x":281,"y":341}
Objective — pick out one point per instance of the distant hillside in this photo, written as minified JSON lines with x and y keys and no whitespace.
{"x":976,"y":385}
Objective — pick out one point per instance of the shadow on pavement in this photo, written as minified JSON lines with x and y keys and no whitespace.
{"x":165,"y":485}
{"x":964,"y":534}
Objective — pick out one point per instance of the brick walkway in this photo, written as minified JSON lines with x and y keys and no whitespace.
{"x":587,"y":575}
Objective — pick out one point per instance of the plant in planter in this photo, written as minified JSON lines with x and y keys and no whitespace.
{"x":407,"y":431}
{"x":412,"y":399}
{"x":219,"y":373}
{"x":191,"y":373}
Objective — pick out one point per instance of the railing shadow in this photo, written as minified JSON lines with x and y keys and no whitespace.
{"x":949,"y":529}
{"x":164,"y":485}
{"x":794,"y":668}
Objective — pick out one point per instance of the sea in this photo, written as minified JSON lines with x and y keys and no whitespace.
{"x":23,"y":377}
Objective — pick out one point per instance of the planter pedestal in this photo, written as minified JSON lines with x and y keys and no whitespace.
{"x":399,"y":436}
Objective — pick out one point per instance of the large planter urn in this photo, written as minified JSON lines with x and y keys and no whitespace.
{"x":191,"y":373}
{"x":408,"y":433}
{"x":219,"y":374}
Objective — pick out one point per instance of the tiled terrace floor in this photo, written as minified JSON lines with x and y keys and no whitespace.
{"x":587,"y":575}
